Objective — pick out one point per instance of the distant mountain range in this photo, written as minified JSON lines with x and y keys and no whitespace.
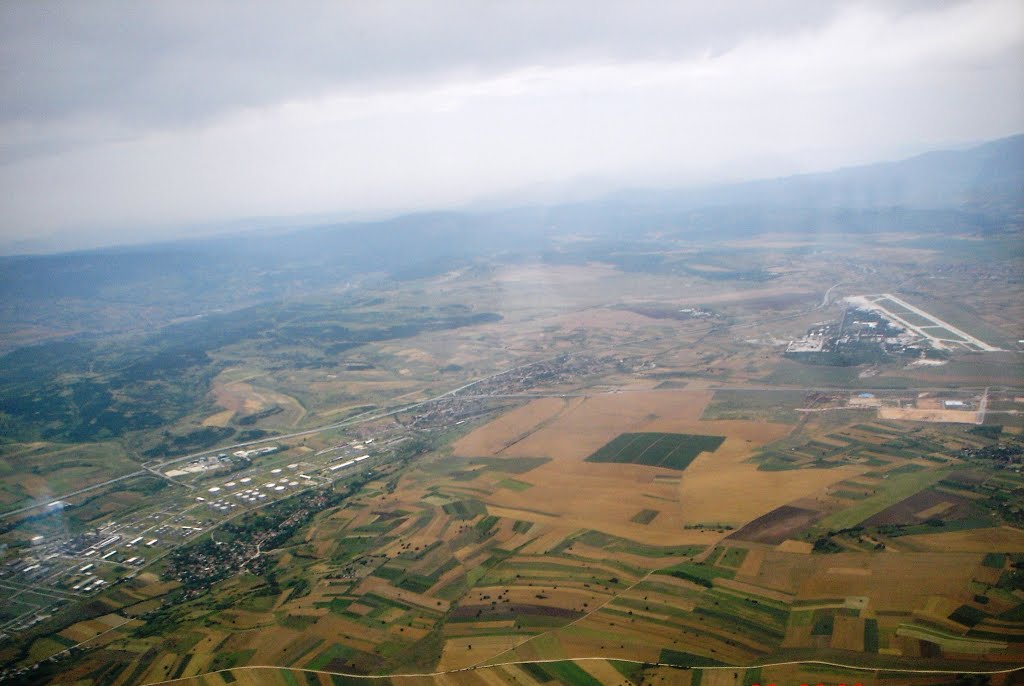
{"x":989,"y":177}
{"x":978,"y":191}
{"x":986,"y":178}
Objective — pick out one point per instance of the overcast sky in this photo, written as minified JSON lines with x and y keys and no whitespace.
{"x":128,"y":120}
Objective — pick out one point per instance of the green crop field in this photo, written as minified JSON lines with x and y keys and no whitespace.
{"x":674,"y":451}
{"x":645,"y":516}
{"x":891,"y":492}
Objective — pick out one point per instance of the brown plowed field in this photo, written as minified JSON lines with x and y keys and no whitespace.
{"x":920,"y":506}
{"x":778,"y":525}
{"x":720,"y":487}
{"x":997,"y":539}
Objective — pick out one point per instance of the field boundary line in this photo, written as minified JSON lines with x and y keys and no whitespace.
{"x":91,"y":638}
{"x":597,"y":609}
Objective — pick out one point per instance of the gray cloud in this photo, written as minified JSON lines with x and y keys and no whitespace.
{"x":142,"y":116}
{"x":157,"y":62}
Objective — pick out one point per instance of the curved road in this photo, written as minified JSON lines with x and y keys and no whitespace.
{"x":828,"y":294}
{"x":414,"y":675}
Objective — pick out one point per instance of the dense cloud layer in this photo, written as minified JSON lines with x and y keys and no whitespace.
{"x":151,"y":115}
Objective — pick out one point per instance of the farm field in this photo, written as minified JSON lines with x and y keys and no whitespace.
{"x":432,"y":573}
{"x":44,"y":469}
{"x":929,"y":415}
{"x":688,"y":512}
{"x":574,"y":490}
{"x":442,"y":566}
{"x":674,"y":451}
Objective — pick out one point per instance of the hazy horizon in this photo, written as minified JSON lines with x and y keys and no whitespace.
{"x":179,"y":120}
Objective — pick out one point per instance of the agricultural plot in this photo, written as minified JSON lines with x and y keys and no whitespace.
{"x":771,"y":406}
{"x":645,"y":516}
{"x":778,"y":525}
{"x":510,"y":428}
{"x":571,"y":493}
{"x":543,"y":535}
{"x":935,"y":506}
{"x":434,"y":567}
{"x":36,"y":471}
{"x":875,"y":445}
{"x":891,"y":492}
{"x":672,"y":451}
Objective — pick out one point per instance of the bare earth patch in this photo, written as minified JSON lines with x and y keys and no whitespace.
{"x":717,"y":488}
{"x":995,"y":539}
